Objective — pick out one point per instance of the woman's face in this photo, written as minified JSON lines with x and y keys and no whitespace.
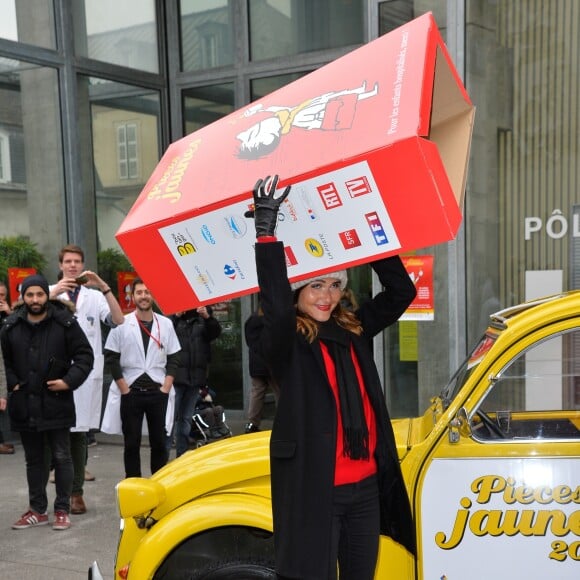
{"x":319,"y":298}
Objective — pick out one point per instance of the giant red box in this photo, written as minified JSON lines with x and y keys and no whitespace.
{"x":374,"y":144}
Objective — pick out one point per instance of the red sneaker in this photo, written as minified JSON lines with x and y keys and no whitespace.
{"x":61,"y":521}
{"x":30,"y":519}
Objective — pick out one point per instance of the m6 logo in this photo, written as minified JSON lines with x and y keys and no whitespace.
{"x":185,"y":249}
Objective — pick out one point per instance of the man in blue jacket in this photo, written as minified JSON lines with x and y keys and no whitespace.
{"x":47,"y":356}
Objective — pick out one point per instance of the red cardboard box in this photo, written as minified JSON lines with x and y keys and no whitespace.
{"x":374,"y":144}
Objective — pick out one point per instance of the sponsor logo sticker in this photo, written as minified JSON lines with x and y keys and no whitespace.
{"x":329,"y":195}
{"x":358,"y":186}
{"x":307,"y":203}
{"x":236,"y":226}
{"x":290,"y":256}
{"x":207,"y":235}
{"x":233,"y":270}
{"x":376,"y":228}
{"x":349,"y":239}
{"x":314,"y":247}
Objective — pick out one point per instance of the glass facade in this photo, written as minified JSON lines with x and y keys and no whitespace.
{"x":30,"y":22}
{"x":122,"y":33}
{"x":90,"y":100}
{"x":283,"y":28}
{"x":31,"y":154}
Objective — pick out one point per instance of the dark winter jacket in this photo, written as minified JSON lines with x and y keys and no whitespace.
{"x":252,"y":330}
{"x":195,"y":335}
{"x":54,"y":348}
{"x":303,"y":440}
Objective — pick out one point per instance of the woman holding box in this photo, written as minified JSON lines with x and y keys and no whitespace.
{"x":336,"y":480}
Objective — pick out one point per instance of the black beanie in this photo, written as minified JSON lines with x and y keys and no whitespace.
{"x":34,"y":280}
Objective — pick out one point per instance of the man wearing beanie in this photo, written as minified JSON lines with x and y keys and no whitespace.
{"x":47,"y":356}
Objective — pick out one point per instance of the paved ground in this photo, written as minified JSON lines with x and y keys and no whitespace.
{"x":44,"y":554}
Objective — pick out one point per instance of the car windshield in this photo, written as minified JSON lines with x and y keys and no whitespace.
{"x":466,"y":369}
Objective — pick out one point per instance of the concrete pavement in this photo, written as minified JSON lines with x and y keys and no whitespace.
{"x":44,"y":554}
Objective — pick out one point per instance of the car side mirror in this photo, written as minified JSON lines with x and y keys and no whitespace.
{"x":459,"y":426}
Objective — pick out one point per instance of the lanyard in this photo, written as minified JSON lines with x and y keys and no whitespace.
{"x":156,"y":340}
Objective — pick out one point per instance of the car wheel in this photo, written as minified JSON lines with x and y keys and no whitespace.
{"x":226,"y":570}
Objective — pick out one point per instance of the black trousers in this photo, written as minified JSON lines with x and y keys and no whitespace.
{"x":355,"y":530}
{"x":34,"y":443}
{"x":134,"y":406}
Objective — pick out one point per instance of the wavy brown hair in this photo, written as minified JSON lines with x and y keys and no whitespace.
{"x":343,"y":317}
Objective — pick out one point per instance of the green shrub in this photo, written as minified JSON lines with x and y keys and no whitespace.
{"x":19,"y":252}
{"x":109,"y":262}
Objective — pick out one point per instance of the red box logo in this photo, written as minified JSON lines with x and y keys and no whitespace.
{"x":358,"y":186}
{"x":329,"y":195}
{"x":349,"y":239}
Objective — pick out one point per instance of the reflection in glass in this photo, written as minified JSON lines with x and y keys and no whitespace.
{"x":267,"y":85}
{"x":31,"y":180}
{"x":30,"y":21}
{"x":122,"y":33}
{"x":204,"y":105}
{"x":206,"y":34}
{"x":126,"y":148}
{"x":283,"y":28}
{"x":395,"y":13}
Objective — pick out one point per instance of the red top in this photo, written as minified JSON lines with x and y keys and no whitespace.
{"x":349,"y":470}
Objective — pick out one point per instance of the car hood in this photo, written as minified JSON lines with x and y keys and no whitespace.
{"x":232,"y":464}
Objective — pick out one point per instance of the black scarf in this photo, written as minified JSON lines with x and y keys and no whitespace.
{"x":355,"y":429}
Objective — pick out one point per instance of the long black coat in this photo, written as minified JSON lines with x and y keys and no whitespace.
{"x":303,"y":441}
{"x":28,"y":350}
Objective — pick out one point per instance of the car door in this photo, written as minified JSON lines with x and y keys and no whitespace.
{"x":502,"y":500}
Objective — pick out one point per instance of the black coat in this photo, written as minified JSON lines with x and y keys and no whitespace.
{"x":303,"y":441}
{"x":195,"y":335}
{"x":54,"y":348}
{"x":252,"y":330}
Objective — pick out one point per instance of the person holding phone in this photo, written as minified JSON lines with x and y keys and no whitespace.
{"x":95,"y":302}
{"x":47,"y":356}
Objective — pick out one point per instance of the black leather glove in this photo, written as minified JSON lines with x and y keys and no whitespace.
{"x":266,"y":206}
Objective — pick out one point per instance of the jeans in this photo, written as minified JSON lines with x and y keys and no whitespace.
{"x":58,"y":441}
{"x":184,"y":405}
{"x":79,"y":454}
{"x":355,"y":530}
{"x":134,"y":406}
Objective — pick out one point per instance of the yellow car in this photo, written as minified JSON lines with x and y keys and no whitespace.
{"x":492,"y":469}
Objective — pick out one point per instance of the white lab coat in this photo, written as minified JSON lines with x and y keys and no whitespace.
{"x":126,"y":340}
{"x":92,"y":308}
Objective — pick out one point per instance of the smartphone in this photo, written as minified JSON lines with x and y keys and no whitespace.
{"x":81,"y":279}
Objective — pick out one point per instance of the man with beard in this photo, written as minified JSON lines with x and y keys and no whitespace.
{"x":47,"y":356}
{"x":143,"y":356}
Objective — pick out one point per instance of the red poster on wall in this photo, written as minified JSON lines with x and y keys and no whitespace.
{"x":124,"y":281}
{"x":15,"y":278}
{"x":420,"y":269}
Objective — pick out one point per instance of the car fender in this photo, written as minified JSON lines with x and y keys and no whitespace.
{"x":205,"y":513}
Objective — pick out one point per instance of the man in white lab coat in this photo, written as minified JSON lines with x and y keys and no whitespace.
{"x":95,"y":302}
{"x":143,"y":357}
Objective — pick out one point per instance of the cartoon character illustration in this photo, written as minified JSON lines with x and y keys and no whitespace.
{"x":333,"y":111}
